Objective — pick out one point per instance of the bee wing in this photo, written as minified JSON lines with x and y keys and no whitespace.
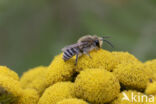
{"x":71,"y":46}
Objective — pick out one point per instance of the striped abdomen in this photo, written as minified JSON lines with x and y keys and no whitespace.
{"x":69,"y":53}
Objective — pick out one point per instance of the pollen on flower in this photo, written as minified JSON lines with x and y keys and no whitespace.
{"x":125,"y":57}
{"x":132,"y":75}
{"x":152,"y":67}
{"x":99,"y":59}
{"x":154,"y":76}
{"x":151,"y":88}
{"x":28,"y":96}
{"x":4,"y":70}
{"x":151,"y":64}
{"x":40,"y":78}
{"x":35,"y":79}
{"x":59,"y":70}
{"x":57,"y":92}
{"x":97,"y":86}
{"x":10,"y":89}
{"x":72,"y":101}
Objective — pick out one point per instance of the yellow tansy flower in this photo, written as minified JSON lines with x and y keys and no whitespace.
{"x":4,"y":70}
{"x":154,"y":76}
{"x":57,"y":92}
{"x":10,"y":89}
{"x":102,"y":59}
{"x":28,"y":96}
{"x":132,"y":75}
{"x":97,"y":86}
{"x":59,"y":71}
{"x":41,"y":77}
{"x":35,"y":79}
{"x":151,"y":65}
{"x":125,"y":57}
{"x":151,"y":88}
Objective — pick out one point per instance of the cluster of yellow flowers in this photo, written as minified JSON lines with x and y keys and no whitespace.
{"x":106,"y":78}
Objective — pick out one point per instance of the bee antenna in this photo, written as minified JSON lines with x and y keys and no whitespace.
{"x":108,"y":42}
{"x":106,"y":37}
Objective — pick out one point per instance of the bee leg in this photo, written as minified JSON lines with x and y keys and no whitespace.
{"x":87,"y":54}
{"x":76,"y":59}
{"x":97,"y":48}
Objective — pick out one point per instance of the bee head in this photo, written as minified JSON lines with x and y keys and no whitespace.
{"x":102,"y":39}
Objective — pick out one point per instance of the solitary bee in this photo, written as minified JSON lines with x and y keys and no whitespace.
{"x":83,"y":46}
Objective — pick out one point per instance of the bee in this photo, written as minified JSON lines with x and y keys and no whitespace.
{"x":83,"y":46}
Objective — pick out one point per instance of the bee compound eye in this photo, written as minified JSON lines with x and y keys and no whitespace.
{"x":97,"y":43}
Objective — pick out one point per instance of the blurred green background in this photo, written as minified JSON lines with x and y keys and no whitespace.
{"x":32,"y":32}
